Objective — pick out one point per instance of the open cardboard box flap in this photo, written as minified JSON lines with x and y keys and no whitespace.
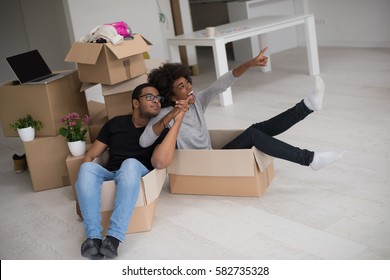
{"x":152,"y":185}
{"x":80,"y":54}
{"x":129,"y":47}
{"x":262,"y":159}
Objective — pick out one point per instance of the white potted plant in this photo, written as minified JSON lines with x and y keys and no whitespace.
{"x":75,"y":131}
{"x":26,"y":127}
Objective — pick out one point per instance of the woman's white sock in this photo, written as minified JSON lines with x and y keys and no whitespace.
{"x":313,"y":100}
{"x":323,"y":159}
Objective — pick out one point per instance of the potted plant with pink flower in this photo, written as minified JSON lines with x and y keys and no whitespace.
{"x":75,"y":131}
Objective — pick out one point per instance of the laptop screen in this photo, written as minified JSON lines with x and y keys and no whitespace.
{"x":28,"y":66}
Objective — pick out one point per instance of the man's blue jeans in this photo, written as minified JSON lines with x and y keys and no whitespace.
{"x":89,"y":186}
{"x":261,"y":135}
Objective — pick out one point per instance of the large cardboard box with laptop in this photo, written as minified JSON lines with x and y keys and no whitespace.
{"x":143,"y":214}
{"x":246,"y":172}
{"x":107,"y":63}
{"x":48,"y":103}
{"x":46,"y":162}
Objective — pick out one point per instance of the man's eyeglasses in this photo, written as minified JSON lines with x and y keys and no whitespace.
{"x":151,"y":97}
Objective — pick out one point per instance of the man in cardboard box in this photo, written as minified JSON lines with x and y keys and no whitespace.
{"x":174,"y":83}
{"x":128,"y":162}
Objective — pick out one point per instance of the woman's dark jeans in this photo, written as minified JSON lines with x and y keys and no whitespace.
{"x":261,"y":135}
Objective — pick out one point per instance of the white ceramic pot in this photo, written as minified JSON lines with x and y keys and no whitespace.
{"x":77,"y":148}
{"x":26,"y":134}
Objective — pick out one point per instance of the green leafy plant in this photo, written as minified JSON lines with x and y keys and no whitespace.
{"x":75,"y":128}
{"x":27,"y":121}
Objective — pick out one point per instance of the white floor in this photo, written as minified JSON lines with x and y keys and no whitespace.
{"x":341,"y":212}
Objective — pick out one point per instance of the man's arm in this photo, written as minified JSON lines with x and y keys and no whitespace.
{"x":96,"y":150}
{"x":260,"y":60}
{"x":163,"y":154}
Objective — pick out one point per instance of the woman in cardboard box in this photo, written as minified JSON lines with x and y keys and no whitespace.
{"x":128,"y":162}
{"x":174,"y":83}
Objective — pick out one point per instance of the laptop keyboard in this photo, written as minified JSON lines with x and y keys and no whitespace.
{"x":44,"y":77}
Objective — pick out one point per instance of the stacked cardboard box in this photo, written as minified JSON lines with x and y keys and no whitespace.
{"x":46,"y":162}
{"x":118,"y":97}
{"x":118,"y":69}
{"x":49,"y":103}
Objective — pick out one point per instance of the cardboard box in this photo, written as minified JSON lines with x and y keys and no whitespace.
{"x":48,"y":103}
{"x":73,"y":165}
{"x":244,"y":172}
{"x":143,"y":214}
{"x":118,"y":97}
{"x":95,"y":127}
{"x":98,"y":117}
{"x":46,"y":162}
{"x":96,"y":110}
{"x":107,"y":63}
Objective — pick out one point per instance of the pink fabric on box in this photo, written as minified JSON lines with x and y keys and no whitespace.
{"x":122,"y":28}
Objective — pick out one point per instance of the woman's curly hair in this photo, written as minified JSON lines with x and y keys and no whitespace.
{"x":163,"y":77}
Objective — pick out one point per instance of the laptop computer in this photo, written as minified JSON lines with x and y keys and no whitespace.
{"x":31,"y":68}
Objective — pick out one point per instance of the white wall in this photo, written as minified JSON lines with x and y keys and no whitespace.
{"x":351,"y":23}
{"x":46,"y":30}
{"x":27,"y":25}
